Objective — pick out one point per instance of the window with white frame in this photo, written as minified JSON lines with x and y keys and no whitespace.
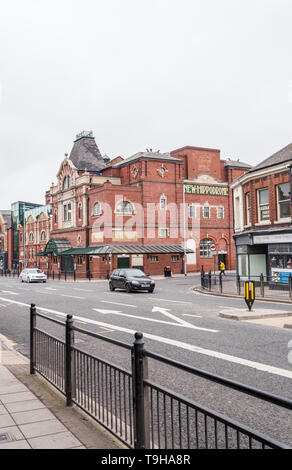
{"x":163,"y":203}
{"x":31,"y":237}
{"x":43,"y":235}
{"x":263,"y":205}
{"x":174,"y":258}
{"x":193,"y":211}
{"x":96,"y":209}
{"x":67,"y":182}
{"x":124,"y":208}
{"x":220,"y":212}
{"x":206,"y":212}
{"x":205,"y":251}
{"x":247,"y":208}
{"x":67,"y":212}
{"x":153,"y":259}
{"x":163,"y":232}
{"x":283,"y":200}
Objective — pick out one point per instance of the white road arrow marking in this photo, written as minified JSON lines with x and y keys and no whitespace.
{"x":184,"y":324}
{"x":190,"y":347}
{"x":165,"y":311}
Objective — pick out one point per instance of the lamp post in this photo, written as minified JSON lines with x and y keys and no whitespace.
{"x":184,"y":231}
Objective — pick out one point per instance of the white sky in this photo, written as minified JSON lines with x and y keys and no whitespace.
{"x":140,"y":74}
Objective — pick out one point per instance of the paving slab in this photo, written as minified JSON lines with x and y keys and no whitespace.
{"x":34,"y":416}
{"x":42,"y":428}
{"x":14,"y":397}
{"x":63,"y":440}
{"x":6,"y":420}
{"x":27,"y":405}
{"x":14,"y":432}
{"x":15,"y":445}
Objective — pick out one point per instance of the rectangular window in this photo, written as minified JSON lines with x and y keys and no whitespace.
{"x":163,"y":232}
{"x":247,"y":208}
{"x":193,"y":211}
{"x":220,"y":213}
{"x":153,"y":259}
{"x":283,"y":200}
{"x":206,"y":212}
{"x":162,"y":203}
{"x":65,"y":213}
{"x":263,"y":205}
{"x":80,"y":260}
{"x":175,"y":258}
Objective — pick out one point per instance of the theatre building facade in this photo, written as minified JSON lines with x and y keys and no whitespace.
{"x":262,"y":219}
{"x":151,"y":210}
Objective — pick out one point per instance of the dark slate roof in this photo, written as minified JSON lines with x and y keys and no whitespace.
{"x":57,"y":246}
{"x":128,"y":249}
{"x":85,"y":154}
{"x":237,"y":164}
{"x":283,"y":155}
{"x":150,"y":155}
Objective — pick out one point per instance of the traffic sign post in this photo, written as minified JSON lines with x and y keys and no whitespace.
{"x":249,"y":293}
{"x":213,"y":253}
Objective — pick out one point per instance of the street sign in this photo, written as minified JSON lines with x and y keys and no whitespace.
{"x":249,"y":293}
{"x":213,"y":247}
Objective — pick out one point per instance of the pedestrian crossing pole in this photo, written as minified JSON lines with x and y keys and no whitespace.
{"x":249,"y":293}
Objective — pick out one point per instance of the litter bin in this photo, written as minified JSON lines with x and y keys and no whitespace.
{"x":167,"y":271}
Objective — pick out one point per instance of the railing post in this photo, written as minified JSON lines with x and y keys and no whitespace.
{"x":59,"y":275}
{"x":74,"y":275}
{"x":238,"y":284}
{"x":209,"y":280}
{"x":262,"y":285}
{"x":69,"y":341}
{"x":140,"y":395}
{"x":220,"y":282}
{"x":32,"y":346}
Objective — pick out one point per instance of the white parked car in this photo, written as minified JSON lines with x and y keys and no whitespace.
{"x":32,"y":275}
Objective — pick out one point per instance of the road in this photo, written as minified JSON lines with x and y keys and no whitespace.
{"x":177,"y":323}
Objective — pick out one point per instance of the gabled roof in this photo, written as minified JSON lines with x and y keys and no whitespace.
{"x":6,"y":215}
{"x":283,"y":155}
{"x":237,"y":164}
{"x":85,"y":154}
{"x":56,"y":246}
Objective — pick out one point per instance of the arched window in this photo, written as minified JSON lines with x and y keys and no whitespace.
{"x":31,"y":237}
{"x":79,"y":210}
{"x":43,"y":235}
{"x":56,"y":216}
{"x":67,"y":182}
{"x":96,"y":209}
{"x":205,"y":251}
{"x":163,"y":202}
{"x":125,"y":208}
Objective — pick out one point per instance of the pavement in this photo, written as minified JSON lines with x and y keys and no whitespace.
{"x":33,"y":415}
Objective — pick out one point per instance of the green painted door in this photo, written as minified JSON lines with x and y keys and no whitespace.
{"x":123,"y":262}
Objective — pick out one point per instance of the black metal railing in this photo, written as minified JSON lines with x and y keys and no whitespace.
{"x":140,"y":412}
{"x":266,"y":286}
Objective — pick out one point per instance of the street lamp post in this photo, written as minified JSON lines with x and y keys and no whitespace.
{"x":184,"y":231}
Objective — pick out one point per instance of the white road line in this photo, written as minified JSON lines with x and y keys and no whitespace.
{"x":190,"y":315}
{"x":72,"y":296}
{"x":9,"y":292}
{"x":116,"y":303}
{"x":167,"y":300}
{"x":207,"y":352}
{"x":165,"y":311}
{"x":50,"y":288}
{"x":82,"y":290}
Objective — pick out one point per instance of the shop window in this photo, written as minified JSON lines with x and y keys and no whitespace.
{"x":263,"y":205}
{"x":205,"y":251}
{"x":283,"y":200}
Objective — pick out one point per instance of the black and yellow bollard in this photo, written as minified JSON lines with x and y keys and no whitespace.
{"x":249,"y":293}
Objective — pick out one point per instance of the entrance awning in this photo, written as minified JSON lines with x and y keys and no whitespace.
{"x":135,"y":249}
{"x":56,"y":246}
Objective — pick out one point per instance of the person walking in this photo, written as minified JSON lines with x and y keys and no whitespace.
{"x":222,"y":267}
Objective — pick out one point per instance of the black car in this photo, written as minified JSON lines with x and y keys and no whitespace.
{"x":130,"y":280}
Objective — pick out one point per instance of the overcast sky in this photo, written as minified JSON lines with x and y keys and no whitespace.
{"x":139,"y":74}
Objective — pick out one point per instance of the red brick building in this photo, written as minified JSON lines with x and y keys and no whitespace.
{"x":147,"y":210}
{"x":262,"y":201}
{"x":6,"y":240}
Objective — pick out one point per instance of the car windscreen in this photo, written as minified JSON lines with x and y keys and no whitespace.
{"x":35,"y":271}
{"x":135,"y":273}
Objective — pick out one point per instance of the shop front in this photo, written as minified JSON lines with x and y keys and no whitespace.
{"x":265,"y":253}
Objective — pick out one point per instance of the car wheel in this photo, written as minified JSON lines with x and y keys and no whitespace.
{"x":128,"y":288}
{"x":111,"y":287}
{"x":44,"y":281}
